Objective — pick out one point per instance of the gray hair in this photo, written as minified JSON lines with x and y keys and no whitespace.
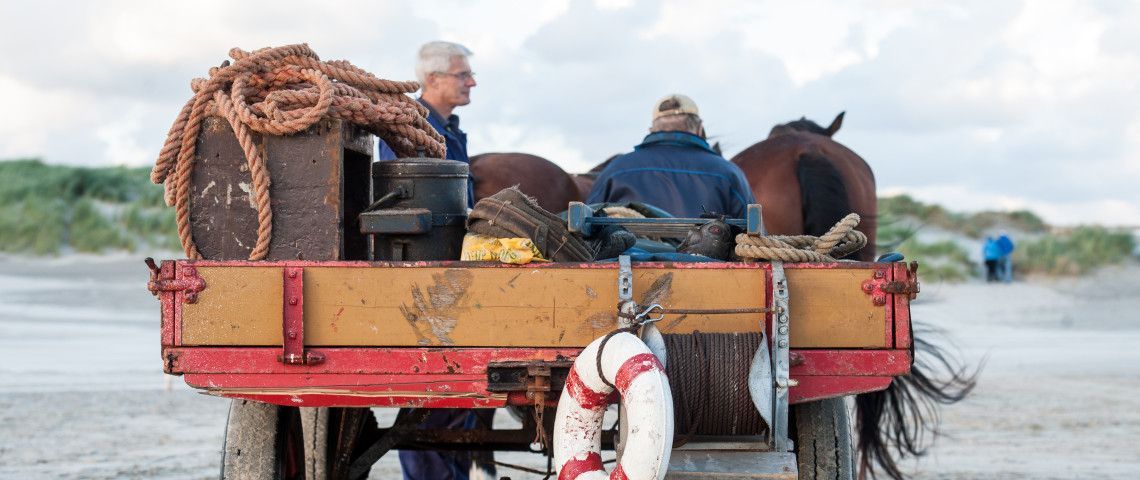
{"x":435,"y":57}
{"x":677,"y":123}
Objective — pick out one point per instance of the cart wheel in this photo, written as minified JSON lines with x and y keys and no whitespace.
{"x":262,"y":441}
{"x":268,"y":441}
{"x":822,"y":433}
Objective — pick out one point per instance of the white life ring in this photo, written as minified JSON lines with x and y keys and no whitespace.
{"x":644,"y":389}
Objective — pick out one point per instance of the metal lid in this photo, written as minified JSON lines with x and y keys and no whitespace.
{"x":418,"y":167}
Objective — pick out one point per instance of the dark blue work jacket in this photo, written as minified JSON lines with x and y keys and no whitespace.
{"x":677,"y":172}
{"x":456,"y":143}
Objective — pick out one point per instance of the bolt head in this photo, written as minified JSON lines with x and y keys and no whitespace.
{"x":292,"y":300}
{"x":783,"y":343}
{"x":292,"y":335}
{"x":784,"y":330}
{"x":293,"y":274}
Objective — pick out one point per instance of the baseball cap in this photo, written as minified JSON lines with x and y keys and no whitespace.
{"x":675,"y":104}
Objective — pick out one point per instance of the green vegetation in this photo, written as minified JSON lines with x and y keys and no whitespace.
{"x":1076,"y":252}
{"x":973,"y":225}
{"x":941,"y":261}
{"x":1039,"y":251}
{"x":47,"y":208}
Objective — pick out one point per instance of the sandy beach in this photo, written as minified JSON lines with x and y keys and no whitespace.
{"x":82,"y":394}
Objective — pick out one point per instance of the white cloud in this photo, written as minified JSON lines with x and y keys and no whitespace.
{"x":990,"y":104}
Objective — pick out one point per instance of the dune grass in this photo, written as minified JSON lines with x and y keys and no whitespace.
{"x":1076,"y":252}
{"x":45,"y":209}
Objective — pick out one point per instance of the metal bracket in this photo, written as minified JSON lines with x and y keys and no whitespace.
{"x":878,"y":286}
{"x":781,"y":344}
{"x":293,"y":320}
{"x":580,"y":219}
{"x":190,"y":284}
{"x":626,"y":307}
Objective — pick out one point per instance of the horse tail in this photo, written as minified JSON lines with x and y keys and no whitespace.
{"x":898,"y":422}
{"x":823,"y":195}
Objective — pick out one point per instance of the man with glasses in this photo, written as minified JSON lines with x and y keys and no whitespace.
{"x":447,"y":79}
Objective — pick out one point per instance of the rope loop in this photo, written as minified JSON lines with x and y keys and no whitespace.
{"x":283,"y":91}
{"x":839,"y":241}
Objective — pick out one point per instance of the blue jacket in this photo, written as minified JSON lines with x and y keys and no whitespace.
{"x":676,"y":172}
{"x":991,"y":250}
{"x":456,"y":143}
{"x":1005,"y":245}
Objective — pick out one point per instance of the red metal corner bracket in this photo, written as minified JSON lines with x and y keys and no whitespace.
{"x":880,"y":285}
{"x":164,"y":280}
{"x":874,"y":286}
{"x":293,"y":320}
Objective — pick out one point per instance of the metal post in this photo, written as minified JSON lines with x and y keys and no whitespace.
{"x":780,"y":353}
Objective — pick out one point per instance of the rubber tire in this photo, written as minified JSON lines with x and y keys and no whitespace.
{"x":251,"y":446}
{"x":822,"y":433}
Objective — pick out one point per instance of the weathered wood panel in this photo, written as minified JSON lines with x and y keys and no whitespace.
{"x":461,"y":306}
{"x":319,"y":177}
{"x":830,"y":310}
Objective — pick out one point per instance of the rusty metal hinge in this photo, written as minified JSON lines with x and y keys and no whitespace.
{"x":190,"y":284}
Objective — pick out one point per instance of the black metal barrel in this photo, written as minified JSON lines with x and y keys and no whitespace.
{"x":419,"y":206}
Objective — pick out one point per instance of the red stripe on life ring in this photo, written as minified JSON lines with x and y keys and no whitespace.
{"x":636,"y":365}
{"x":618,"y":473}
{"x":587,"y":397}
{"x":575,"y":466}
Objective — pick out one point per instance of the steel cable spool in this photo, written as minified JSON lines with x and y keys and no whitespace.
{"x":708,"y":376}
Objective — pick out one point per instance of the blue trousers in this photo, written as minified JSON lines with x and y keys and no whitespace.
{"x":449,"y":465}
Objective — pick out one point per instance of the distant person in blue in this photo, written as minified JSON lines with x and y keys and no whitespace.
{"x":1005,"y":261}
{"x":447,"y":79}
{"x":674,"y":169}
{"x":991,"y":254}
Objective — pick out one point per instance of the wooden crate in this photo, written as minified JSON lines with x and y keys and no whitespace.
{"x":320,"y":181}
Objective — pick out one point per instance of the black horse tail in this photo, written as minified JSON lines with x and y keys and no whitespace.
{"x":823,"y":195}
{"x":903,"y":420}
{"x":897,"y":422}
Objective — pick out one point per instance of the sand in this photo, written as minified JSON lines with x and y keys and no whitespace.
{"x":82,"y":394}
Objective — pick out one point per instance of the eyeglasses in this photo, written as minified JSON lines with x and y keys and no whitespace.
{"x":462,"y":76}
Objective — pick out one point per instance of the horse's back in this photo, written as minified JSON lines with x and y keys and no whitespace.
{"x":535,"y":176}
{"x":772,"y":167}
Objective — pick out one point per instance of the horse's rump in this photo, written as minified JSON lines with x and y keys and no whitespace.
{"x":535,"y":176}
{"x":807,"y":182}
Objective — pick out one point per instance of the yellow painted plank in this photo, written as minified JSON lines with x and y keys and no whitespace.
{"x":829,"y":309}
{"x":482,"y":306}
{"x":509,"y":306}
{"x":240,"y":306}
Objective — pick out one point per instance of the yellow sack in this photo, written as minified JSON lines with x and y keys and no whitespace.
{"x":481,"y":248}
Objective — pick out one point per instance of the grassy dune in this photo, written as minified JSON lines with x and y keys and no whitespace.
{"x":1040,"y":249}
{"x":52,"y":209}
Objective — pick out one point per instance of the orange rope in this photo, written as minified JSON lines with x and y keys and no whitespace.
{"x":283,"y":91}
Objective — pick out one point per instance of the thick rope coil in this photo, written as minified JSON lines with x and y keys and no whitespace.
{"x":841,"y":240}
{"x":283,"y":91}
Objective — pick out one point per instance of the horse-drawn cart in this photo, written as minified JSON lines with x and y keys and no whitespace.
{"x":352,"y":300}
{"x":486,"y":335}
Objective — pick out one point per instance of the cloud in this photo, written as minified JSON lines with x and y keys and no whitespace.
{"x":983,"y":103}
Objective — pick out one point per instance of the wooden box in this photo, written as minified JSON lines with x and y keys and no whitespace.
{"x":320,"y":182}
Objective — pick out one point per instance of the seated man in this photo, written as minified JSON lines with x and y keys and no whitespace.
{"x":674,"y":169}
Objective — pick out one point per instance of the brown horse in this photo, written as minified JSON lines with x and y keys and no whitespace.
{"x":807,"y":182}
{"x":537,"y":177}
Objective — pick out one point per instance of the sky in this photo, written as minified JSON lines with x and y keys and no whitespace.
{"x":976,"y":105}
